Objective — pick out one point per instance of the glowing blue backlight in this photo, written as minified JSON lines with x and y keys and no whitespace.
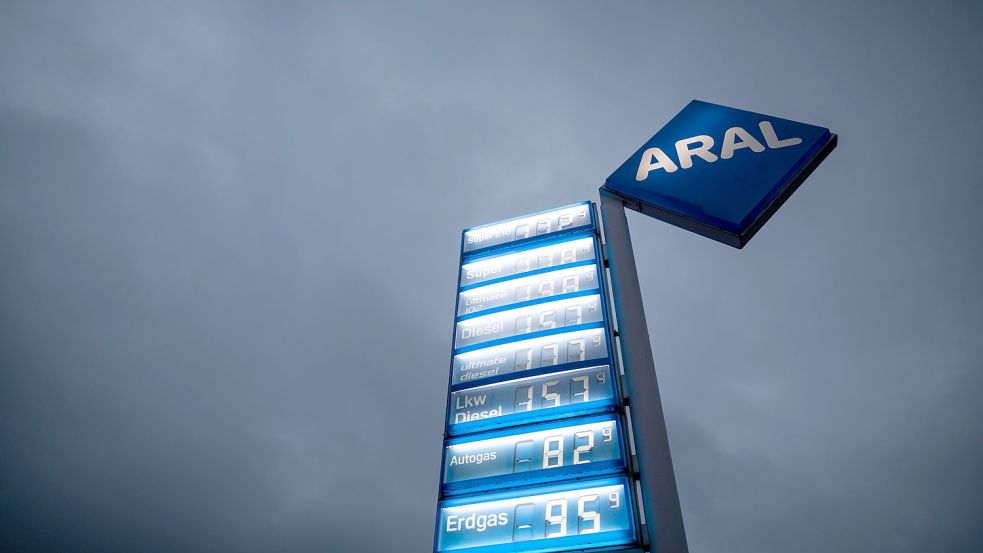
{"x":533,"y":354}
{"x":528,"y":228}
{"x":535,"y":451}
{"x":531,"y":319}
{"x":489,"y":269}
{"x":589,"y":513}
{"x":536,"y":398}
{"x":546,"y":452}
{"x":531,"y":288}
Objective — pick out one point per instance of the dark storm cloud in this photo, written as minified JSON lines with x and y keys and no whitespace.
{"x":228,"y":238}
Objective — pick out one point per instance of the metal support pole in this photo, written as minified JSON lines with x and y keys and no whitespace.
{"x":663,"y":515}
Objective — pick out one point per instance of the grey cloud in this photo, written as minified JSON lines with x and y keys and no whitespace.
{"x":229,"y":231}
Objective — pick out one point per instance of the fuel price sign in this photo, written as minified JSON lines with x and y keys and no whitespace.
{"x":535,"y":454}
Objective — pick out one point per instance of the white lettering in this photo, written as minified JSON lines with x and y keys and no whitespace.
{"x":469,"y":416}
{"x":474,"y":521}
{"x":482,"y":364}
{"x":473,"y":458}
{"x":735,"y":138}
{"x":685,"y":154}
{"x":652,"y":159}
{"x":482,"y":273}
{"x":480,"y":374}
{"x":471,"y":401}
{"x":482,"y":299}
{"x":468,"y":332}
{"x":730,"y":145}
{"x":772,"y":139}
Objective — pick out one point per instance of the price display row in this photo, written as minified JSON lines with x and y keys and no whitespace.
{"x":563,"y":254}
{"x":546,"y":452}
{"x":543,"y":285}
{"x":585,"y":514}
{"x":582,"y":391}
{"x":528,"y":320}
{"x":534,"y":354}
{"x":530,"y":226}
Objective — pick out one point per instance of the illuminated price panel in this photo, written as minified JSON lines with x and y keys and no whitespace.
{"x":531,"y":319}
{"x":530,"y":226}
{"x":578,"y":251}
{"x":531,"y":354}
{"x":583,"y":391}
{"x":536,"y":287}
{"x":561,"y":517}
{"x":544,"y":453}
{"x":535,"y":454}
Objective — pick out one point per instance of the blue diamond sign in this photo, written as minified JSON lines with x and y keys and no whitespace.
{"x":720,"y":172}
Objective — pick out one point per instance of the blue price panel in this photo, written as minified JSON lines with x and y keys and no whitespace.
{"x":529,"y":227}
{"x":578,"y":251}
{"x":584,"y":514}
{"x":533,"y":355}
{"x":531,"y":319}
{"x":536,"y":398}
{"x":546,"y":452}
{"x":572,"y":280}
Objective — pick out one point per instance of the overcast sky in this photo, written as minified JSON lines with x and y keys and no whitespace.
{"x":229,"y":240}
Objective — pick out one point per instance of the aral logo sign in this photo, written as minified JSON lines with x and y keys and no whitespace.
{"x":719,"y":171}
{"x":700,"y":146}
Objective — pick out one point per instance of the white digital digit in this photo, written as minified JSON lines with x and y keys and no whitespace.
{"x":557,"y":520}
{"x":522,"y":264}
{"x":545,"y":260}
{"x":546,"y":289}
{"x":524,"y":517}
{"x":523,"y":325}
{"x":564,"y":221}
{"x":551,"y":355}
{"x":542,"y":226}
{"x":614,"y":500}
{"x":522,"y":455}
{"x":576,"y":350}
{"x":549,"y":395}
{"x":523,"y":359}
{"x":522,"y":231}
{"x":571,"y":284}
{"x":606,"y":433}
{"x":588,"y":522}
{"x":523,"y":293}
{"x":602,"y":377}
{"x":568,"y":255}
{"x":579,"y":451}
{"x":574,"y":315}
{"x":553,"y":452}
{"x":523,"y":398}
{"x":547,"y":319}
{"x":582,"y":396}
